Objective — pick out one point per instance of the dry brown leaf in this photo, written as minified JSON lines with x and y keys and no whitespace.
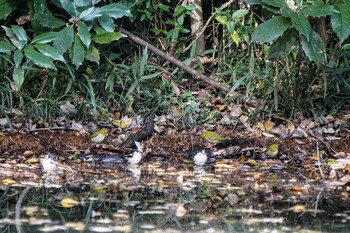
{"x":180,"y":210}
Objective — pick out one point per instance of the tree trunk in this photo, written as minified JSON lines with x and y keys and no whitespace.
{"x":197,"y":25}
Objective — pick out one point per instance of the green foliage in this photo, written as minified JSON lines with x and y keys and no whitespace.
{"x":86,"y":23}
{"x":290,"y":18}
{"x":50,"y":39}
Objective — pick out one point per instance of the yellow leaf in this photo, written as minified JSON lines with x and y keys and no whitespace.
{"x":8,"y":181}
{"x":68,"y":202}
{"x":268,"y":125}
{"x":252,"y":162}
{"x":213,"y":137}
{"x":180,"y":211}
{"x":221,"y":19}
{"x":235,"y":37}
{"x":119,"y":124}
{"x":290,"y":126}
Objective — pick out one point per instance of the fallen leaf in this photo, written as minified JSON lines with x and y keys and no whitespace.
{"x":68,"y":202}
{"x":180,"y":210}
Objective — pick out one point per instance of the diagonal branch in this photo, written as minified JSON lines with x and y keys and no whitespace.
{"x":175,"y":61}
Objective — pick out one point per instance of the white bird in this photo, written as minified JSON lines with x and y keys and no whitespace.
{"x":200,"y":158}
{"x":49,"y":165}
{"x":136,"y":156}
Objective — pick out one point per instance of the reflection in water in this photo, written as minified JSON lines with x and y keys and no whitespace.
{"x":225,"y":197}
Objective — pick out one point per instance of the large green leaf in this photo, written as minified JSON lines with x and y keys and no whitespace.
{"x":39,"y":6}
{"x":6,"y":8}
{"x":271,"y":29}
{"x":17,"y":35}
{"x":38,"y":58}
{"x":318,"y":10}
{"x":314,"y":48}
{"x":84,"y":33}
{"x":82,"y":3}
{"x":69,"y":6}
{"x":301,"y":24}
{"x":105,"y":38}
{"x":276,"y":3}
{"x":90,"y":14}
{"x":93,"y":54}
{"x":18,"y":77}
{"x":18,"y":57}
{"x":107,"y":23}
{"x":6,"y":47}
{"x":45,"y":37}
{"x":50,"y":51}
{"x":78,"y":52}
{"x":283,"y":44}
{"x":48,"y":21}
{"x":116,"y":10}
{"x":64,"y":39}
{"x":341,"y":21}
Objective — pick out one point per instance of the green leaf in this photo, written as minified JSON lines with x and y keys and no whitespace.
{"x":39,"y":6}
{"x":17,"y":57}
{"x":84,"y":33}
{"x":93,"y":54}
{"x":271,"y":29}
{"x":301,"y":24}
{"x":314,"y":48}
{"x":106,"y":23}
{"x":116,"y":10}
{"x":78,"y":52}
{"x":64,"y":39}
{"x":18,"y":77}
{"x":341,"y":21}
{"x":50,"y":51}
{"x":253,"y":2}
{"x":38,"y":58}
{"x":47,"y":21}
{"x":17,"y":36}
{"x":90,"y":14}
{"x":105,"y":38}
{"x":6,"y":47}
{"x":283,"y":44}
{"x":319,"y":10}
{"x":69,"y":7}
{"x":45,"y":38}
{"x":83,"y":3}
{"x":240,"y":13}
{"x":6,"y":8}
{"x":276,"y":3}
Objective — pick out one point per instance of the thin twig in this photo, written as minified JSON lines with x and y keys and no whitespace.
{"x":319,"y":160}
{"x":47,"y":129}
{"x":18,"y":208}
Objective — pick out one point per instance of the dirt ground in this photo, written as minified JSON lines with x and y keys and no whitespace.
{"x":164,"y":145}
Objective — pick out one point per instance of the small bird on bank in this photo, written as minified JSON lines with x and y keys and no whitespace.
{"x":49,"y":165}
{"x":213,"y":137}
{"x":272,"y":150}
{"x":98,"y":136}
{"x":136,"y":156}
{"x":199,"y":157}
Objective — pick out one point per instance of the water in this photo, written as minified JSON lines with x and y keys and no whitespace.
{"x":230,"y":196}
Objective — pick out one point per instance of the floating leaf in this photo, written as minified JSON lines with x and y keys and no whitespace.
{"x":8,"y":181}
{"x":68,"y":202}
